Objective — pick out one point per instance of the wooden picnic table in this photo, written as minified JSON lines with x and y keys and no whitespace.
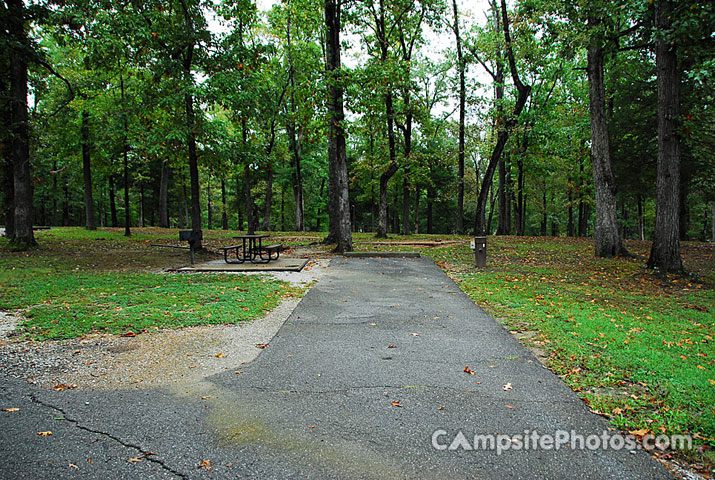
{"x":251,"y":249}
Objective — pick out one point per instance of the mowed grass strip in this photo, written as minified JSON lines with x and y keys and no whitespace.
{"x":63,"y":305}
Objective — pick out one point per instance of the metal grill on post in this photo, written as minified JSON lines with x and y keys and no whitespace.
{"x":191,"y":236}
{"x":479,"y":245}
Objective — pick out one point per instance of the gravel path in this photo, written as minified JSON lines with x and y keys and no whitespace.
{"x":163,"y":358}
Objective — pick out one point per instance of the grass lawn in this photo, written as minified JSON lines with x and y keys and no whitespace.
{"x":77,"y":282}
{"x":638,"y":348}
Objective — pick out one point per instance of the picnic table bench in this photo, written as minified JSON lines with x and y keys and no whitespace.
{"x":251,"y":249}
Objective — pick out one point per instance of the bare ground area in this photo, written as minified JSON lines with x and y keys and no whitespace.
{"x":168,"y":358}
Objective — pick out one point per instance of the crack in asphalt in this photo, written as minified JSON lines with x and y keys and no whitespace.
{"x":146,"y":454}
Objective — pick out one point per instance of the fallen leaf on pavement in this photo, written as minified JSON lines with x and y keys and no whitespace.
{"x":238,"y":371}
{"x":64,"y":386}
{"x":396,"y":403}
{"x":262,"y":345}
{"x":44,"y":434}
{"x":129,"y":334}
{"x":72,"y":465}
{"x":441,"y":408}
{"x":467,"y":370}
{"x":206,"y":397}
{"x":507,"y":387}
{"x":390,"y":346}
{"x":415,"y":334}
{"x":373,"y":324}
{"x":311,"y":426}
{"x":219,"y":355}
{"x":205,"y":464}
{"x":10,"y":410}
{"x":509,"y":406}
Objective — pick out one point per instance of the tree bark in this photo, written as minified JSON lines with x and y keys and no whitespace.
{"x":665,"y":251}
{"x":164,"y":195}
{"x":405,"y":206}
{"x":224,"y":214}
{"x":269,"y":199}
{"x":90,"y":222}
{"x":209,"y":213}
{"x":125,"y":157}
{"x":23,"y":237}
{"x":113,"y":202}
{"x":607,"y":239}
{"x":337,"y":156}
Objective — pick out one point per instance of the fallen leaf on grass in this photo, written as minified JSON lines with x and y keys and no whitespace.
{"x":701,"y":367}
{"x":507,"y":387}
{"x":44,"y":434}
{"x":711,"y":381}
{"x":396,"y":403}
{"x":467,"y":370}
{"x":262,"y":345}
{"x":617,"y":411}
{"x":11,"y":410}
{"x":639,"y":433}
{"x":129,"y":334}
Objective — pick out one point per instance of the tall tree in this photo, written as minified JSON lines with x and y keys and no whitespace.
{"x":339,"y":202}
{"x":461,"y":68}
{"x":606,"y":233}
{"x":16,"y":18}
{"x":523,"y":91}
{"x":665,"y":252}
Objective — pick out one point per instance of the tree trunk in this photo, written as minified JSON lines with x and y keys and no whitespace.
{"x":417,"y":210}
{"x":224,"y":214}
{"x":571,"y":228}
{"x":641,"y":223}
{"x":66,"y":204}
{"x":141,"y":204}
{"x":125,"y":157}
{"x":543,"y":213}
{"x":193,"y":165}
{"x":164,"y":195}
{"x":9,"y":194}
{"x":269,"y":199}
{"x":462,"y":112}
{"x":248,"y":200}
{"x":405,"y":206}
{"x":297,"y":175}
{"x":665,"y":252}
{"x":337,"y":156}
{"x":23,"y":237}
{"x":90,"y":221}
{"x":209,"y":213}
{"x":607,"y":239}
{"x":113,"y":202}
{"x":491,"y":209}
{"x":430,"y":206}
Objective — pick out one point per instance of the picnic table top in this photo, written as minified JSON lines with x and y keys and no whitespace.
{"x":262,"y":235}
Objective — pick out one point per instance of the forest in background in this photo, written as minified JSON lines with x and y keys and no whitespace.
{"x":588,"y":108}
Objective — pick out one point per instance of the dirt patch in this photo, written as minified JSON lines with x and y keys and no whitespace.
{"x":162,"y":358}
